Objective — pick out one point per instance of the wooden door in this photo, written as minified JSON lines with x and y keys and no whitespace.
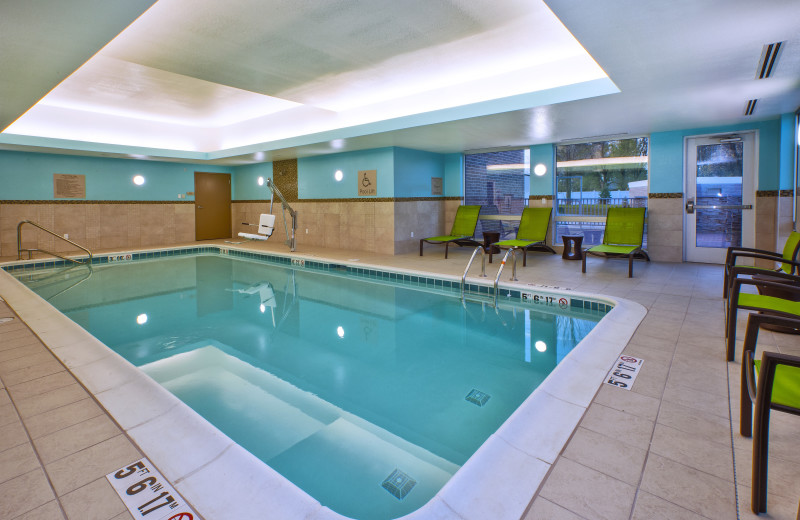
{"x":212,"y":205}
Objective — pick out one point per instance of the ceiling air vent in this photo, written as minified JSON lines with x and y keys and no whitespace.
{"x":769,"y":57}
{"x":750,"y":108}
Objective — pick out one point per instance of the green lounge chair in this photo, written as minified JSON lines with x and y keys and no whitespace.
{"x":785,"y":305}
{"x":790,"y":250}
{"x":532,"y":233}
{"x":772,"y":384}
{"x":622,"y":238}
{"x":462,"y":232}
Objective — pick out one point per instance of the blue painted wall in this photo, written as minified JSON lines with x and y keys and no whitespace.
{"x":413,"y":171}
{"x":29,"y":176}
{"x":454,"y":175}
{"x":246,"y":185}
{"x":787,"y":149}
{"x":544,"y":154}
{"x":315,"y":174}
{"x":666,"y":155}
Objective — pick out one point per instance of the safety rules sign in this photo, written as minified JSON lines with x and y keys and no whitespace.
{"x":147,"y":494}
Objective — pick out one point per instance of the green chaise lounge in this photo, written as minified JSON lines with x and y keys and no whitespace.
{"x":462,"y":232}
{"x":532,"y":233}
{"x":773,"y":383}
{"x":622,"y":238}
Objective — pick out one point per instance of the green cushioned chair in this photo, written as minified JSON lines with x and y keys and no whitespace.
{"x":532,"y":233}
{"x":462,"y":232}
{"x":772,"y":384}
{"x":785,"y":305}
{"x":790,"y":250}
{"x":622,"y":238}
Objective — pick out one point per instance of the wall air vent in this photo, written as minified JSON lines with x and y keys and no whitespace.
{"x":769,"y":58}
{"x":751,"y":106}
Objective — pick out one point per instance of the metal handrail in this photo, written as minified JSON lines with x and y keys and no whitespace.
{"x":34,"y":224}
{"x":469,"y":264}
{"x":290,"y":240}
{"x":512,"y":251}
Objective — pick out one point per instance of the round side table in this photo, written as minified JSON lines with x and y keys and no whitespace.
{"x":572,"y":247}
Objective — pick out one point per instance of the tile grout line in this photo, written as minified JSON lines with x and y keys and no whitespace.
{"x":38,"y":456}
{"x":91,"y":396}
{"x":655,"y":423}
{"x":733,"y":448}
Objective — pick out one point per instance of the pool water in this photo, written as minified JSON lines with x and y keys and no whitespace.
{"x":368,"y":396}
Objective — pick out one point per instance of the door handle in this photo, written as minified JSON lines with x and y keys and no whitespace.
{"x":690,"y":206}
{"x":733,"y":206}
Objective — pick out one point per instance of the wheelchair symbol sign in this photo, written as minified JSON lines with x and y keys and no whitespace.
{"x":367,"y":183}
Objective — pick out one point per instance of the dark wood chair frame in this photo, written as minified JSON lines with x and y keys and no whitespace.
{"x":761,"y":395}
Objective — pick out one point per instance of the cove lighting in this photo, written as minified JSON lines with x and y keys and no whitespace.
{"x":497,"y":167}
{"x":138,"y":180}
{"x":540,"y":169}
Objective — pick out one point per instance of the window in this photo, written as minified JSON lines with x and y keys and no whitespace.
{"x":591,"y":177}
{"x":500,"y":182}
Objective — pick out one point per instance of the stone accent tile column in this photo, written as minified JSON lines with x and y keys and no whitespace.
{"x":665,"y":228}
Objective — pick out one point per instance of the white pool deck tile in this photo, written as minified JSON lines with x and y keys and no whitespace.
{"x":575,"y":449}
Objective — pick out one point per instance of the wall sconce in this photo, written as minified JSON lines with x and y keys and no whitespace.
{"x":261,"y":181}
{"x":138,"y":180}
{"x":540,"y":169}
{"x":338,"y":175}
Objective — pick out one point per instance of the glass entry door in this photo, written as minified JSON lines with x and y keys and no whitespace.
{"x":720,"y":196}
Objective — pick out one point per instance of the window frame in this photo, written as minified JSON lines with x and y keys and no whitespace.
{"x":556,"y":218}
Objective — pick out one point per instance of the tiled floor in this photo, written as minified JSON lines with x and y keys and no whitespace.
{"x":666,"y":449}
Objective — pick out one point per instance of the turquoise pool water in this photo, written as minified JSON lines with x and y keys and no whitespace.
{"x":367,"y":395}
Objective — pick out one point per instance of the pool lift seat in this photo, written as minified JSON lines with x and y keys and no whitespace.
{"x":266,"y":224}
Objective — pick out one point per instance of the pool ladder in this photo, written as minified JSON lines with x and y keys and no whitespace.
{"x":512,"y":251}
{"x":31,"y":250}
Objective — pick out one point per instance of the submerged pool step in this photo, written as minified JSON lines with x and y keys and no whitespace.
{"x":354,"y":471}
{"x":226,"y":390}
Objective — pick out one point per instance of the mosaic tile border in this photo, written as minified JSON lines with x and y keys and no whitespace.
{"x":774,"y":193}
{"x":361,"y":199}
{"x":82,"y":201}
{"x":429,"y":283}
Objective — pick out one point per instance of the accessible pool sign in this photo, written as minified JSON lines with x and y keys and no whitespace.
{"x":147,"y":494}
{"x":367,"y":183}
{"x":624,"y":372}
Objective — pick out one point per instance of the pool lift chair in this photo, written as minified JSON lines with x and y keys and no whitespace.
{"x":772,"y":383}
{"x":266,"y":224}
{"x":266,"y":221}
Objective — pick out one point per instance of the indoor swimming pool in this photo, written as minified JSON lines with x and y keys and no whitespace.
{"x":368,"y":390}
